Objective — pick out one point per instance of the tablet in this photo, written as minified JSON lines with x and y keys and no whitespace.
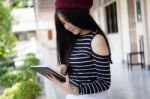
{"x":44,"y":70}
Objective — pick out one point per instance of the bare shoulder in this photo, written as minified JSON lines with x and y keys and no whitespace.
{"x":99,"y":45}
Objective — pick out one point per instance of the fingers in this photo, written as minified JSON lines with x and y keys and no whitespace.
{"x":54,"y":79}
{"x":62,"y":69}
{"x":67,"y":80}
{"x":49,"y":77}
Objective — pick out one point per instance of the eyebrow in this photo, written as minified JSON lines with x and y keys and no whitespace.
{"x":64,"y":20}
{"x":61,"y":19}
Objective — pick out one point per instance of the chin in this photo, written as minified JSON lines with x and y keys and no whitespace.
{"x":76,"y":33}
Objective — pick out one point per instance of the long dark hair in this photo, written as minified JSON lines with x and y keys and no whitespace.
{"x":66,"y":39}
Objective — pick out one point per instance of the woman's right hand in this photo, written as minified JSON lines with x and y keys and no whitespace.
{"x":62,"y":69}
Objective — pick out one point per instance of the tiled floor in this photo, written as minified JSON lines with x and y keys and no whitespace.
{"x":127,"y":84}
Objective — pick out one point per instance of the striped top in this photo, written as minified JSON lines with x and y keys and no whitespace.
{"x":89,"y":70}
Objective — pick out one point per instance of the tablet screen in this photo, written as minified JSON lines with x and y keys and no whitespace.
{"x":48,"y":71}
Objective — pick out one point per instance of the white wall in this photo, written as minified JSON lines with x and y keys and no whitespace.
{"x":148,"y":16}
{"x":114,"y":39}
{"x":124,"y":27}
{"x":24,"y":20}
{"x":116,"y":50}
{"x":42,"y":35}
{"x":120,"y":43}
{"x":140,"y":30}
{"x":145,"y":28}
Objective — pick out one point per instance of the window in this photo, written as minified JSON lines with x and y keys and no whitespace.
{"x":111,"y":18}
{"x":24,"y":36}
{"x":138,"y":10}
{"x":108,"y":1}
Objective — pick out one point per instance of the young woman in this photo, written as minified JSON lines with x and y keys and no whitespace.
{"x":83,"y":51}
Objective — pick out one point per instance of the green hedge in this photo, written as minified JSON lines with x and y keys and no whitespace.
{"x":21,"y":83}
{"x":10,"y":78}
{"x":22,"y":90}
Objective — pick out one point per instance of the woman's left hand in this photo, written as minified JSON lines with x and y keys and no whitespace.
{"x":64,"y":85}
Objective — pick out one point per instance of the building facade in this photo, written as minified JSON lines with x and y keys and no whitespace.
{"x":124,"y":22}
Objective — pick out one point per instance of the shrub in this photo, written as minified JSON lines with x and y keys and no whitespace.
{"x":22,"y":90}
{"x":31,"y":60}
{"x":10,"y":78}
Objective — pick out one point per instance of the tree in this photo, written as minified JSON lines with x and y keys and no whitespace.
{"x":18,"y":3}
{"x":7,"y":38}
{"x":20,"y":83}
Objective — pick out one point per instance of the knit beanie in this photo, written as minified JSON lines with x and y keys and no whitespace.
{"x":74,"y":4}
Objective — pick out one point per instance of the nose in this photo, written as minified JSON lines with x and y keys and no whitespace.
{"x":67,"y":26}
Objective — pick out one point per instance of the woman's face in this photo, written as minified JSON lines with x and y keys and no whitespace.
{"x":69,"y":26}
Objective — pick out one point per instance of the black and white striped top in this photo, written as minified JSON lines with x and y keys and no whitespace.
{"x":89,"y":70}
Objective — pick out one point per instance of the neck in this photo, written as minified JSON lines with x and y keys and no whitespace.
{"x":83,"y":32}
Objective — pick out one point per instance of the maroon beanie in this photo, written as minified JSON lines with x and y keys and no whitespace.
{"x":75,"y":4}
